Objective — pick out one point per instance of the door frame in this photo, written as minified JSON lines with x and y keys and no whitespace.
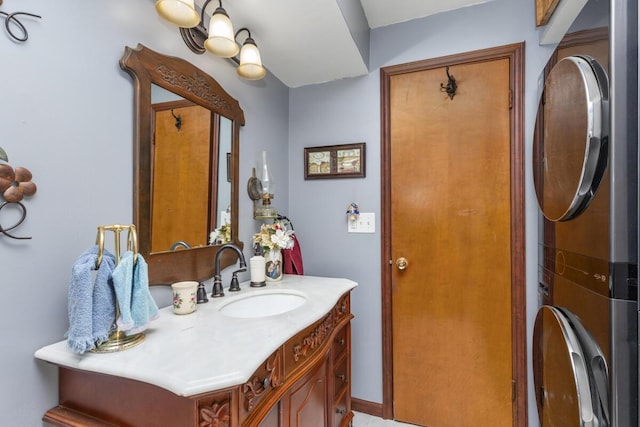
{"x":515,"y":54}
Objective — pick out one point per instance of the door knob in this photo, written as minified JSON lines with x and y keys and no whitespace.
{"x":402,"y":263}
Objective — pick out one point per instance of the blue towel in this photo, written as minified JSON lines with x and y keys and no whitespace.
{"x":91,"y":306}
{"x":131,"y":285}
{"x":123,"y":284}
{"x":143,"y":306}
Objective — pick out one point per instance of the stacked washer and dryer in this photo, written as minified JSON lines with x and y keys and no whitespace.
{"x":585,"y":161}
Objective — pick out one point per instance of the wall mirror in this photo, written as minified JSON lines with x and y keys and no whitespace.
{"x":185,"y":155}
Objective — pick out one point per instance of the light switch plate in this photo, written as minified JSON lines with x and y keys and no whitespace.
{"x":366,"y":223}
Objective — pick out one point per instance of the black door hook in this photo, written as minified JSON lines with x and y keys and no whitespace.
{"x":178,"y":119}
{"x":451,"y":86}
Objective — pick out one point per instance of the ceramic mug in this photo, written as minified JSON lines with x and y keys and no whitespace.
{"x":184,"y":297}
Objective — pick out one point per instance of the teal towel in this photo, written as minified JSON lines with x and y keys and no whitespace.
{"x":131,"y":285}
{"x":122,"y":284}
{"x":91,"y":304}
{"x":143,"y":307}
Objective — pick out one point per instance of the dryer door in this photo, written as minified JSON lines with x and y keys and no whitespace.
{"x":564,"y":393}
{"x":570,"y":144}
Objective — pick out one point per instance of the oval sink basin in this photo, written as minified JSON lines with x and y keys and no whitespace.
{"x":262,"y":304}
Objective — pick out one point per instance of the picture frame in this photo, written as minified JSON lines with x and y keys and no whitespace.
{"x":335,"y":161}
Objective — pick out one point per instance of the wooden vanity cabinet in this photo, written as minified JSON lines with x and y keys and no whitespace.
{"x":304,"y":383}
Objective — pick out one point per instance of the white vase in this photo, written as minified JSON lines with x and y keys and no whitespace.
{"x":273,"y":265}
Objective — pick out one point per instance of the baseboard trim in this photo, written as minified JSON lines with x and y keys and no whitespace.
{"x":366,"y":407}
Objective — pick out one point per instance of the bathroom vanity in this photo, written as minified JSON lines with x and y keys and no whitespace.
{"x":273,"y":356}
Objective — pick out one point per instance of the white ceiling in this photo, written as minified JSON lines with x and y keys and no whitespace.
{"x":380,"y":13}
{"x":305,"y":42}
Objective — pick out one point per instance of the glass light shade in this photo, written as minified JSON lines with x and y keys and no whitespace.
{"x":179,"y":12}
{"x":265,"y":174}
{"x":250,"y":66}
{"x":221,"y":41}
{"x":266,"y":210}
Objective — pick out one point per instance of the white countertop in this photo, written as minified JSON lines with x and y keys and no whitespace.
{"x":206,"y":350}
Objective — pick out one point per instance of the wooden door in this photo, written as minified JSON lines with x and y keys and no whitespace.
{"x":182,"y":159}
{"x":450,"y":164}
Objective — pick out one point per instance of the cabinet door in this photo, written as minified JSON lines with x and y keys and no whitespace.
{"x":308,"y":400}
{"x":273,"y":418}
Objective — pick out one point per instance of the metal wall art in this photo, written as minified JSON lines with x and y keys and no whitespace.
{"x":11,"y":23}
{"x":14,"y":185}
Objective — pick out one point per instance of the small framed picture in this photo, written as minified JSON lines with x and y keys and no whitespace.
{"x":335,"y":161}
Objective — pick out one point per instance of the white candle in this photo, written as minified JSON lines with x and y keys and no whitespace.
{"x":257,"y":265}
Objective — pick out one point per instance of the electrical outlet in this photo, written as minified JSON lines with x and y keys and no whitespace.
{"x":366,"y":223}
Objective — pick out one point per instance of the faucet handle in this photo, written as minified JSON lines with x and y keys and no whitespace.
{"x":234,"y":286}
{"x":217,"y":291}
{"x":201,"y":294}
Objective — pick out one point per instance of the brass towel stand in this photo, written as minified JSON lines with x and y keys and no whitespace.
{"x":118,"y":340}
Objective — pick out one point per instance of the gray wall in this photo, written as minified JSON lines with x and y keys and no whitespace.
{"x":66,"y":113}
{"x":348,"y":111}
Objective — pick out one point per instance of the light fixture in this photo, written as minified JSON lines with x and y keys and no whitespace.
{"x":219,"y":39}
{"x":179,"y":12}
{"x":250,"y":66}
{"x":262,"y":189}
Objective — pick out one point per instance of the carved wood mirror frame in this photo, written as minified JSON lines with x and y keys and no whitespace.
{"x":184,"y":79}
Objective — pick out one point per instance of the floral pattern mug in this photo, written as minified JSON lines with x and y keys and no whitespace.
{"x":184,"y":297}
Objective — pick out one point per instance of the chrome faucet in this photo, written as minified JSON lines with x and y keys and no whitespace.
{"x":217,"y":278}
{"x":177,"y":244}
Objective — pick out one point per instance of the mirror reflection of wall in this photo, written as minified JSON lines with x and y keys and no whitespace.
{"x":224,"y":171}
{"x":187,"y":194}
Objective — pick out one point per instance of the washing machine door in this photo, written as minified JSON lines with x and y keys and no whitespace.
{"x":567,"y":390}
{"x":570,"y":143}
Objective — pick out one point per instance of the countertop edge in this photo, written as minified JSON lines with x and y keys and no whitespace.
{"x":157,"y":360}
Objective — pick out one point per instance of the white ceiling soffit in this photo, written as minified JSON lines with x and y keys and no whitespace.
{"x":304,"y":42}
{"x":307,"y":42}
{"x":301,"y":42}
{"x":381,"y":13}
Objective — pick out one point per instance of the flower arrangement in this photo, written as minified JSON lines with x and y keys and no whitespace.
{"x":220,"y":235}
{"x":274,"y":237}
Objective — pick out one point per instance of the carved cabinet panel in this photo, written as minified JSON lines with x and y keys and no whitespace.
{"x":216,"y":410}
{"x":307,"y":406}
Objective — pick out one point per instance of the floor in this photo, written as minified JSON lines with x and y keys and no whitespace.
{"x":364,"y":420}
